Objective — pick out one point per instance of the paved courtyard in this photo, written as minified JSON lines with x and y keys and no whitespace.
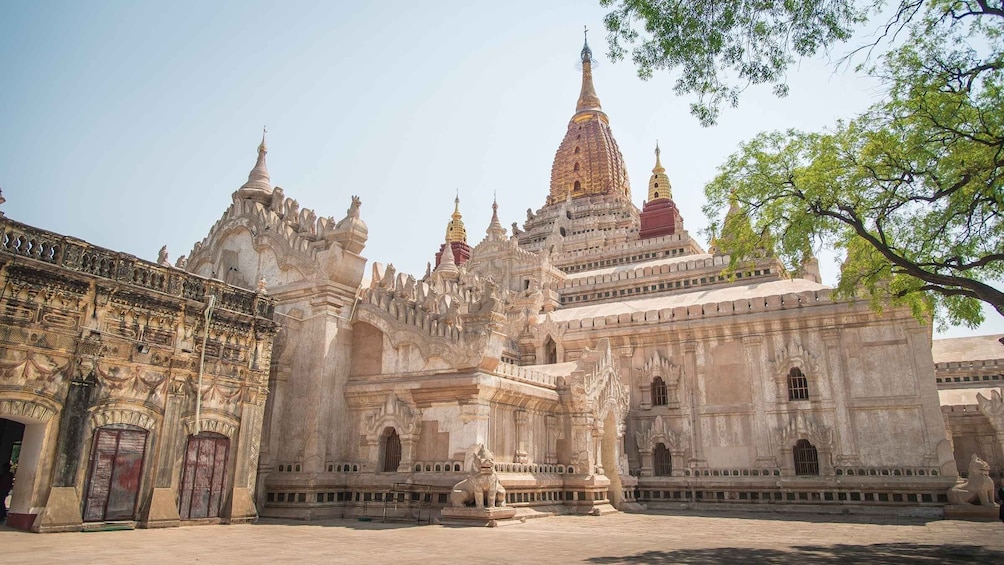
{"x":619,"y":538}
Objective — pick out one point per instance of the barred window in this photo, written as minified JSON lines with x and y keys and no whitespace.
{"x":660,"y":396}
{"x":806,"y":458}
{"x":798,"y":385}
{"x":662,"y":461}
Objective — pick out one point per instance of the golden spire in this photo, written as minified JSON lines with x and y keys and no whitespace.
{"x":587,"y":96}
{"x":658,"y":184}
{"x":455,"y":231}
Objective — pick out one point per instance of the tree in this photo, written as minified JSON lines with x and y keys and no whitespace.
{"x":911,"y":190}
{"x":706,"y":40}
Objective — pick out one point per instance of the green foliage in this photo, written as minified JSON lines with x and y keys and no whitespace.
{"x":911,"y":190}
{"x":720,"y":48}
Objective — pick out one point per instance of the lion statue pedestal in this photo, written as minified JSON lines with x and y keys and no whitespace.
{"x":973,"y":498}
{"x":478,"y":500}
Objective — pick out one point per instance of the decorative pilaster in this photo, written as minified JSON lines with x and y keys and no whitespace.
{"x":690,"y":369}
{"x":522,"y":431}
{"x":759,"y":380}
{"x":552,"y":431}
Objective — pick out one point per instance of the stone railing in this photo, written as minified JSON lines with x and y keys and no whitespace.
{"x":710,"y":310}
{"x":719,"y":262}
{"x":23,"y":241}
{"x":526,"y":375}
{"x":438,"y":467}
{"x":622,"y":248}
{"x":886,"y":472}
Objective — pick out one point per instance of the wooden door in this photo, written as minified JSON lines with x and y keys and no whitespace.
{"x":204,"y":476}
{"x":115,"y":473}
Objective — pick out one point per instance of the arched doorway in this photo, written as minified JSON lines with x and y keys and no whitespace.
{"x":550,"y":351}
{"x":391,"y":451}
{"x":116,"y":467}
{"x":662,"y":461}
{"x":24,"y":433}
{"x":203,"y":476}
{"x":11,"y":436}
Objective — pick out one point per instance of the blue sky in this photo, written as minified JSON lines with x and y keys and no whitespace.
{"x":129,"y":124}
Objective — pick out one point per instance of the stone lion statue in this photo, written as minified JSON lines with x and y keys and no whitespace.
{"x":977,"y":489}
{"x":482,"y":487}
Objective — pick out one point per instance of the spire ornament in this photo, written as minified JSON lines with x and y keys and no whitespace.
{"x":259,"y":185}
{"x":658,"y":185}
{"x":455,"y":230}
{"x":495,"y":230}
{"x":588,"y":100}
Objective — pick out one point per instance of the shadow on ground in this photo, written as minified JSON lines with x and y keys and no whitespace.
{"x":787,"y":516}
{"x":876,"y":554}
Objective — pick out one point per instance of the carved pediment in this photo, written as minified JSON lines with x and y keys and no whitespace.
{"x":659,"y":432}
{"x":394,"y":413}
{"x":804,"y":426}
{"x":795,"y":356}
{"x":657,"y":366}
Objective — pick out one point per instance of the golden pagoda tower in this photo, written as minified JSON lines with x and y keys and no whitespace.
{"x":659,"y":215}
{"x":456,"y":237}
{"x":588,"y":161}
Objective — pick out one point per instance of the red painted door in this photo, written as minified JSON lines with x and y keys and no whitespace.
{"x":116,"y":470}
{"x":204,"y":475}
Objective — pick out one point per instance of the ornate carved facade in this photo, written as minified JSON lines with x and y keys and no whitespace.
{"x":115,"y":380}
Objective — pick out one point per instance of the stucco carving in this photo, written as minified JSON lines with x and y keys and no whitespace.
{"x":393,"y":413}
{"x":131,"y":415}
{"x":26,"y":409}
{"x":658,"y":432}
{"x":795,"y":356}
{"x":211,"y":423}
{"x":802,"y":426}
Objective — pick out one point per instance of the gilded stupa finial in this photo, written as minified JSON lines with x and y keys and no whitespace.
{"x":658,"y":184}
{"x":455,"y":230}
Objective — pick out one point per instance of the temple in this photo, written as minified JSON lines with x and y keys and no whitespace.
{"x":597,"y":357}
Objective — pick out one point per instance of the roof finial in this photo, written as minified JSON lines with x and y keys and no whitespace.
{"x":455,"y":230}
{"x":495,"y":229}
{"x":258,"y":187}
{"x":587,"y":96}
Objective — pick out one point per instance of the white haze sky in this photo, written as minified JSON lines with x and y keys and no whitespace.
{"x":129,"y":124}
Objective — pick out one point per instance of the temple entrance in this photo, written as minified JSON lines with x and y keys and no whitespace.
{"x":11,"y":436}
{"x":610,"y":454}
{"x":391,"y":451}
{"x":203,"y":476}
{"x":115,"y":471}
{"x":21,"y":440}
